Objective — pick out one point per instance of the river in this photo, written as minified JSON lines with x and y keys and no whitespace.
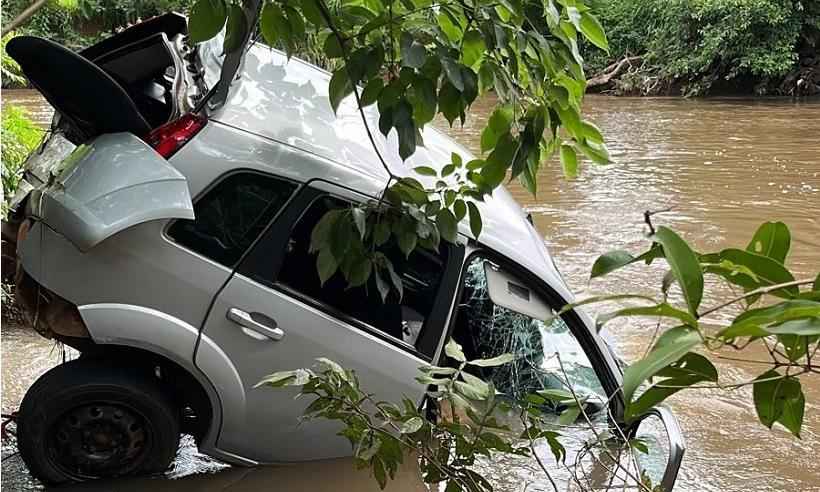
{"x":722,"y":166}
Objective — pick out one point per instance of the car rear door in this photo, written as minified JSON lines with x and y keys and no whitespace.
{"x":274,"y":315}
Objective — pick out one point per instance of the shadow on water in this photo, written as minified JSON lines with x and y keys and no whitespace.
{"x":724,"y":165}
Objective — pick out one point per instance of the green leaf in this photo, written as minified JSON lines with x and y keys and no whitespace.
{"x":569,"y":415}
{"x":447,"y":225}
{"x":405,"y":129}
{"x":413,"y":53}
{"x":592,"y":30}
{"x":569,"y":161}
{"x":453,"y":71}
{"x":662,"y":310}
{"x":454,"y":351}
{"x":332,"y":47}
{"x":772,"y":239}
{"x":411,"y":425}
{"x":766,"y":270}
{"x":481,"y":386}
{"x":617,"y":259}
{"x":395,"y":279}
{"x":296,"y":24}
{"x":425,"y":171}
{"x":326,"y":264}
{"x":557,"y":395}
{"x":472,"y":48}
{"x":340,"y":87}
{"x":312,"y":12}
{"x":460,"y":210}
{"x":298,"y":377}
{"x":360,"y":272}
{"x":372,"y":90}
{"x":756,"y":322}
{"x":469,"y":391}
{"x":475,"y":219}
{"x":381,"y":285}
{"x":689,"y":370}
{"x":639,"y":445}
{"x":679,"y":341}
{"x":321,"y":234}
{"x":591,"y":132}
{"x":684,"y":264}
{"x":499,"y":360}
{"x":816,"y":284}
{"x":779,"y":399}
{"x":273,"y":24}
{"x":423,"y":100}
{"x":236,"y":29}
{"x":407,"y":240}
{"x":360,"y":219}
{"x":207,"y":19}
{"x":800,"y":326}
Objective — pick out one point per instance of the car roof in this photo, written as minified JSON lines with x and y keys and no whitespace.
{"x":287,"y":101}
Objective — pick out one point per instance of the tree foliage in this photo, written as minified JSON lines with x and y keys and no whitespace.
{"x":19,"y":136}
{"x":414,"y":59}
{"x":702,"y":45}
{"x":777,"y":311}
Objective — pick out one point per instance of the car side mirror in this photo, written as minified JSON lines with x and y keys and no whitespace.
{"x":658,"y":446}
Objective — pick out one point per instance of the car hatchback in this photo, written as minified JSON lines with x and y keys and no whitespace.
{"x":163,"y":230}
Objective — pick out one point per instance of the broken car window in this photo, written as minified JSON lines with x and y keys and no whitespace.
{"x":486,"y":330}
{"x":232,"y":215}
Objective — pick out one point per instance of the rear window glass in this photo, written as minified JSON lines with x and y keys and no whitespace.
{"x":231,"y":215}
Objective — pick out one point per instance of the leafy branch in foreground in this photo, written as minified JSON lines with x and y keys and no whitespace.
{"x":415,"y":59}
{"x":466,"y":427}
{"x":788,"y":329}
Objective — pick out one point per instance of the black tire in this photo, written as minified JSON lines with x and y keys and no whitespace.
{"x":89,"y":419}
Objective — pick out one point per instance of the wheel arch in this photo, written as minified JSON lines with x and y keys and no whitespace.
{"x":123,"y":330}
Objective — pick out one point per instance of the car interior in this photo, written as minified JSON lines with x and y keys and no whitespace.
{"x":122,"y":84}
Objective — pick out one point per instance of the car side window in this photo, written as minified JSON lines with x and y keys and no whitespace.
{"x":548,"y":356}
{"x":402,"y":319}
{"x":231,"y":215}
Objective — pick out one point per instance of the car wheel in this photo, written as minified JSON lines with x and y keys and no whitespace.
{"x":88,"y":419}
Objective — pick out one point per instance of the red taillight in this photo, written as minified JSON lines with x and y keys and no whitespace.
{"x":170,"y":137}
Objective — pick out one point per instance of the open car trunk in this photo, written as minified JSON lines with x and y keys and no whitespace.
{"x":94,"y":174}
{"x":133,"y":81}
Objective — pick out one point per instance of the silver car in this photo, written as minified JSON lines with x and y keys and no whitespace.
{"x":162,"y":230}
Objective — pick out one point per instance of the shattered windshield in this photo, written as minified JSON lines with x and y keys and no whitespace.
{"x":547,"y":352}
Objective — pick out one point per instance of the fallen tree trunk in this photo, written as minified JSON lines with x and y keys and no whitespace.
{"x":610,"y":72}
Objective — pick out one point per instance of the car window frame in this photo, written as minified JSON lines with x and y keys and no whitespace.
{"x":275,"y":238}
{"x":586,"y":339}
{"x":210,"y":187}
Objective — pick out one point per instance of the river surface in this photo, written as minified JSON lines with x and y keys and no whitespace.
{"x":722,"y":166}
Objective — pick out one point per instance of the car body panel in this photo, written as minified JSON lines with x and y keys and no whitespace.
{"x":107,"y":185}
{"x":272,"y":415}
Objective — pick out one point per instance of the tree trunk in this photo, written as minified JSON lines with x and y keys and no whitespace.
{"x":610,"y":72}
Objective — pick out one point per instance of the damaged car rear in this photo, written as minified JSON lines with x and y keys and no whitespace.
{"x":163,"y":230}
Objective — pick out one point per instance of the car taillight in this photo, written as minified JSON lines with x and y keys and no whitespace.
{"x":170,"y":137}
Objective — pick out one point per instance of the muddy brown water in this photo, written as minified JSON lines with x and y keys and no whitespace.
{"x":722,"y":165}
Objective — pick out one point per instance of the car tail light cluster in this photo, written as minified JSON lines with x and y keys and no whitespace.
{"x":170,"y":137}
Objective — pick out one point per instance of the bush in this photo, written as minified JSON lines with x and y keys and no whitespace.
{"x":705,"y":44}
{"x":19,"y":137}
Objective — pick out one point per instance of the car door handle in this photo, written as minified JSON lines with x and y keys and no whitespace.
{"x":244,"y":319}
